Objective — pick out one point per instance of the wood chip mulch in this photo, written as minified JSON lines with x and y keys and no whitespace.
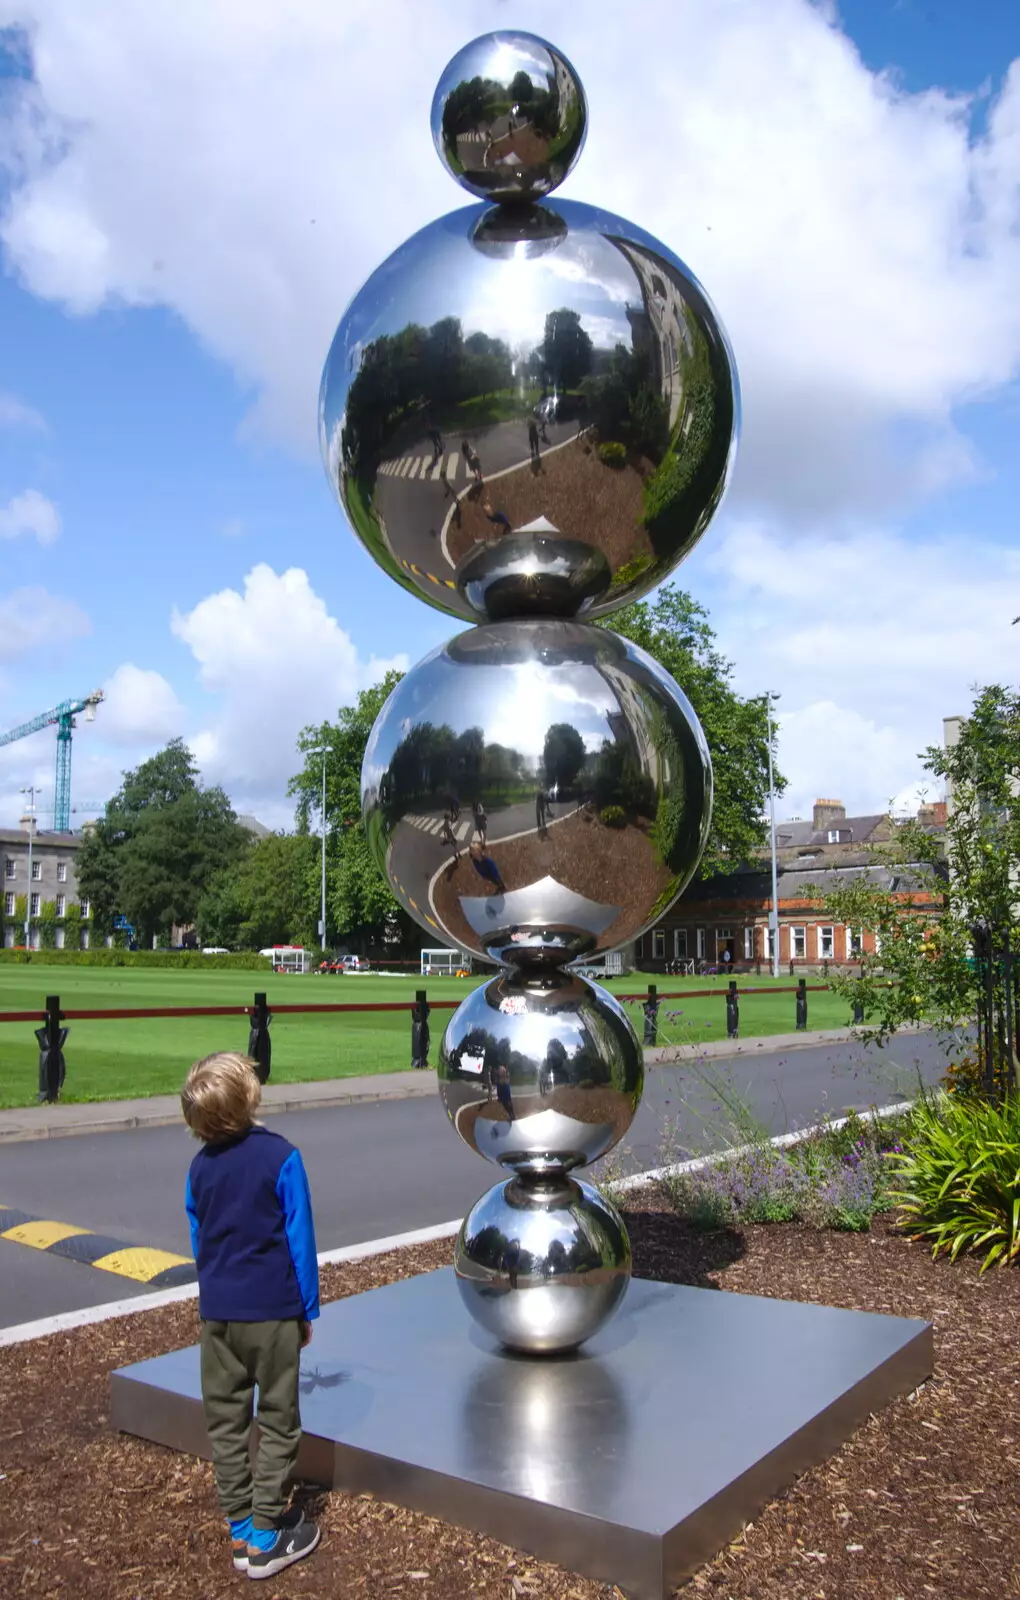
{"x":922,"y":1501}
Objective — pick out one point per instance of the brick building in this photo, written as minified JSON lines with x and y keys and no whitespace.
{"x":729,"y":916}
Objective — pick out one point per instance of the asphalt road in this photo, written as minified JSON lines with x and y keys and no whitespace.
{"x":385,"y":1167}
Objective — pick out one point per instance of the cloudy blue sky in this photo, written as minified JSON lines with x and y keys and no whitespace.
{"x":190,"y":193}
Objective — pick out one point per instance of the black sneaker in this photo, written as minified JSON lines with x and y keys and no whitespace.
{"x":291,"y":1544}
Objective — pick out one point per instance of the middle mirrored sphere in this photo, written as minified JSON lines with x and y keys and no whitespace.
{"x":529,"y":411}
{"x":540,"y":1075}
{"x":536,"y":792}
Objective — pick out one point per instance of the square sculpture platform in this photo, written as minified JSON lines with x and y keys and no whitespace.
{"x":633,"y":1461}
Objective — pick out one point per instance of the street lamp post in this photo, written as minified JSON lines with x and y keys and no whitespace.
{"x":774,"y":914}
{"x":30,"y":825}
{"x":322,"y":751}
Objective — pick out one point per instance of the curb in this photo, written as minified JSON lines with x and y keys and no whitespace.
{"x":24,"y":1123}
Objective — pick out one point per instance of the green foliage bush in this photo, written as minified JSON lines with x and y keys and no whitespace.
{"x":958,"y":1177}
{"x":614,"y":816}
{"x":244,"y":961}
{"x":613,"y":454}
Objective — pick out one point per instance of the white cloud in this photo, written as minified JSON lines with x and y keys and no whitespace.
{"x":139,"y":708}
{"x":14,"y":413}
{"x":277,"y":660}
{"x":30,"y":513}
{"x":862,"y":246}
{"x":32,"y":619}
{"x":870,"y":639}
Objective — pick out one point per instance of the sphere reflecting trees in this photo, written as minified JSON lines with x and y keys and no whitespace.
{"x":509,"y":117}
{"x":589,"y":771}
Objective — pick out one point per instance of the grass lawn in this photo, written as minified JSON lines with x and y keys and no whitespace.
{"x":118,"y":1060}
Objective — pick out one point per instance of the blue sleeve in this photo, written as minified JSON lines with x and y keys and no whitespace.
{"x":296,"y":1203}
{"x":189,"y":1206}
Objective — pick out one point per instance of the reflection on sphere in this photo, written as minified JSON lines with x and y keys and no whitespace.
{"x":540,"y":1075}
{"x":589,"y":766}
{"x":529,"y":413}
{"x":509,"y":117}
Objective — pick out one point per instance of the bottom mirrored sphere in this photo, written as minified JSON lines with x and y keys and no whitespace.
{"x":542,"y":1264}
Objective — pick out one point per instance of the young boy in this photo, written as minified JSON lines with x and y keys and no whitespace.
{"x":253,"y":1240}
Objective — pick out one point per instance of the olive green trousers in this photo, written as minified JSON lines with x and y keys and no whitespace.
{"x":237,"y":1358}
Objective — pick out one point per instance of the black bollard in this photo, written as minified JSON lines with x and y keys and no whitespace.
{"x":420,"y":1037}
{"x":650,"y":1010}
{"x":260,"y":1046}
{"x":802,"y":1005}
{"x":732,"y":1011}
{"x":51,"y":1039}
{"x":858,"y":1012}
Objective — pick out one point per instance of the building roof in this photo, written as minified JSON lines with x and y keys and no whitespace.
{"x":796,"y":883}
{"x":69,"y":841}
{"x":253,"y":825}
{"x":794,"y":835}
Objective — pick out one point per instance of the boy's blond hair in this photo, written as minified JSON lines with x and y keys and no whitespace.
{"x":221,"y":1096}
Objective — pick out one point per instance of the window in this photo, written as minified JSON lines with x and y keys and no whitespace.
{"x":748,"y":944}
{"x":84,"y":938}
{"x":36,"y":870}
{"x":33,"y":909}
{"x":658,"y":944}
{"x":9,"y":905}
{"x":854,"y":945}
{"x":701,"y":944}
{"x":10,"y":868}
{"x":61,"y":905}
{"x":61,"y":871}
{"x":826,"y":943}
{"x":722,"y":935}
{"x":680,"y":943}
{"x":840,"y":835}
{"x":85,"y":915}
{"x":770,"y":942}
{"x":798,"y":943}
{"x":59,"y":938}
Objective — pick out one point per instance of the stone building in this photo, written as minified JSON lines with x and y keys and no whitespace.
{"x":49,"y":882}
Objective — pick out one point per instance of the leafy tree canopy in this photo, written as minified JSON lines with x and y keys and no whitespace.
{"x":162,"y":839}
{"x":675,"y":631}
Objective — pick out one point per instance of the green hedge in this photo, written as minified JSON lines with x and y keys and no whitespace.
{"x":246,"y":961}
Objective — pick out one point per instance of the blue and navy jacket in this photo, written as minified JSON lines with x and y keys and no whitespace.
{"x":252,"y":1233}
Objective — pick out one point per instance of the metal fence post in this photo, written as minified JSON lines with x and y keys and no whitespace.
{"x":651,"y":1016}
{"x":802,"y":1005}
{"x":260,"y":1046}
{"x":420,"y":1035}
{"x":51,"y":1038}
{"x":732,"y":1011}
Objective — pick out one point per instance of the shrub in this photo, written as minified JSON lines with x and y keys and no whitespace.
{"x":964,"y":1075}
{"x":958,"y":1177}
{"x":612,"y":454}
{"x":245,"y":961}
{"x":613,"y":816}
{"x":757,"y":1185}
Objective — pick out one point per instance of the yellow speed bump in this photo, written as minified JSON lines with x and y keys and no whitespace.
{"x":41,"y":1235}
{"x":139,"y":1262}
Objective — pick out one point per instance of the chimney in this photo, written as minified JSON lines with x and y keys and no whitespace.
{"x":827,"y":812}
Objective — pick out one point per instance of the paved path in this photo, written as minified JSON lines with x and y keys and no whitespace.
{"x":382,"y":1166}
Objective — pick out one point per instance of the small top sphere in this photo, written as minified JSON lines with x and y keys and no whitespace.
{"x":509,"y":117}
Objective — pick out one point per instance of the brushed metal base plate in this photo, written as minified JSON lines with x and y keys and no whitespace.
{"x":633,"y":1461}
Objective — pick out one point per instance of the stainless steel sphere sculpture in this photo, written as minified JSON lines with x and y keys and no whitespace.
{"x":529,"y":414}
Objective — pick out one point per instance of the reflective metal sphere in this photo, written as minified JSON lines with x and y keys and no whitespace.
{"x":590,"y":773}
{"x":540,"y":1075}
{"x":509,"y":117}
{"x":542,"y":1265}
{"x":529,"y":411}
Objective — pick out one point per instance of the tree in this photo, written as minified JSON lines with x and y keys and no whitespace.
{"x":270,"y":895}
{"x":566,"y":349}
{"x":162,"y":839}
{"x":675,"y":630}
{"x":943,"y":948}
{"x":563,"y":755}
{"x":359,"y":906}
{"x":521,"y":88}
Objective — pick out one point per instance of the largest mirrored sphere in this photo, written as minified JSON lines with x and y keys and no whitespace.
{"x":529,"y":412}
{"x":537,"y":791}
{"x":509,"y":117}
